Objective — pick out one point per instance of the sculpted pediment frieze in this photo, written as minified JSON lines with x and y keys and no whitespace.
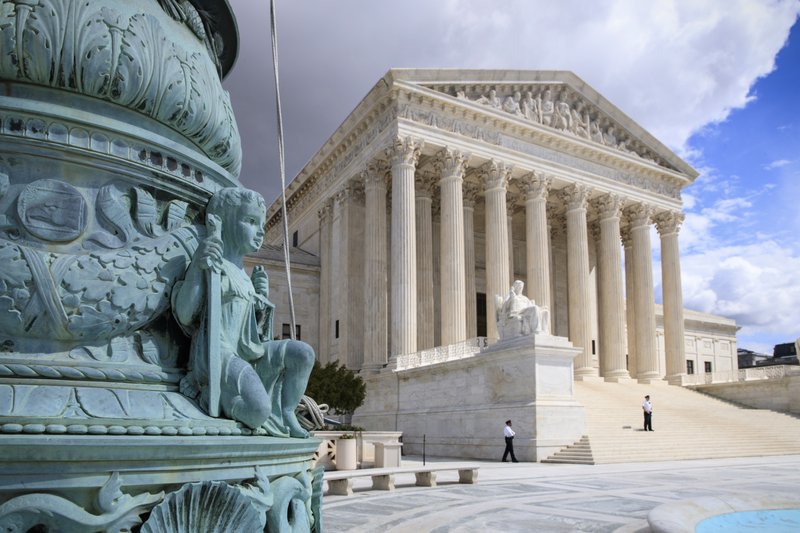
{"x":558,"y":106}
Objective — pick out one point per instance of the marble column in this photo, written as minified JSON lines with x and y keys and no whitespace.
{"x":511,"y":207}
{"x":471,"y":192}
{"x":375,"y":268}
{"x":643,"y":294}
{"x":325,"y":214}
{"x":451,"y":165}
{"x":404,"y":155}
{"x":536,"y":187}
{"x":495,"y":175}
{"x":630,"y":302}
{"x":559,"y":310}
{"x":611,"y":304}
{"x":668,"y":225}
{"x":575,"y":197}
{"x":424,"y":226}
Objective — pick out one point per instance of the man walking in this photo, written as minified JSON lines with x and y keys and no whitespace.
{"x":647,"y":407}
{"x":509,"y":435}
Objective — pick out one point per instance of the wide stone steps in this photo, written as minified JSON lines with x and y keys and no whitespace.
{"x":688,"y":425}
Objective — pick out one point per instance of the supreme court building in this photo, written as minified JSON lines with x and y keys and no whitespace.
{"x":442,"y":187}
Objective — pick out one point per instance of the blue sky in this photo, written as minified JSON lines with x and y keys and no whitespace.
{"x":740,"y":247}
{"x":715,"y":80}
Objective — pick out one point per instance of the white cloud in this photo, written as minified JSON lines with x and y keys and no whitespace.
{"x":755,"y":284}
{"x":778,"y":163}
{"x":674,"y":66}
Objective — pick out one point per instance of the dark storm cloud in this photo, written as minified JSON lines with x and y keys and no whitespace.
{"x":674,"y":67}
{"x":331,"y":54}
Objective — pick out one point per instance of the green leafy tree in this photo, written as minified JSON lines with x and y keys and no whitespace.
{"x":338,"y":386}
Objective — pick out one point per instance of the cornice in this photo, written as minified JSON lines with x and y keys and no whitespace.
{"x":432,"y":108}
{"x":400,"y":104}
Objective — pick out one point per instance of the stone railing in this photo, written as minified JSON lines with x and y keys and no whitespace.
{"x":745,"y":374}
{"x":442,"y":354}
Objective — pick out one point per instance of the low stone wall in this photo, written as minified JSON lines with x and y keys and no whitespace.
{"x":459,"y":407}
{"x":781,"y":395}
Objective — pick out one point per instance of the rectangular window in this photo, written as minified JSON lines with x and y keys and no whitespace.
{"x":593,"y":349}
{"x":336,"y":330}
{"x":295,"y":239}
{"x":707,"y":366}
{"x":690,"y":367}
{"x":297,"y":332}
{"x":286,"y":331}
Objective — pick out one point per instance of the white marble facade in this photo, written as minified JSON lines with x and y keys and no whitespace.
{"x":444,"y":186}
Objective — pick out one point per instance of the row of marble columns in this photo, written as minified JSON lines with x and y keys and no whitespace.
{"x":412,"y":277}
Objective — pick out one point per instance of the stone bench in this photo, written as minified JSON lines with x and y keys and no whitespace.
{"x":340,"y":482}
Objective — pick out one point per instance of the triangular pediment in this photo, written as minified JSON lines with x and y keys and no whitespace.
{"x":556,"y":100}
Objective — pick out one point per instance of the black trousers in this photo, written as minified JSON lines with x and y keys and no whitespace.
{"x":509,"y":449}
{"x":648,"y":421}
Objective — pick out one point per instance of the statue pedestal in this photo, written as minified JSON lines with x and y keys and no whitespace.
{"x":76,"y":483}
{"x":460,"y":406}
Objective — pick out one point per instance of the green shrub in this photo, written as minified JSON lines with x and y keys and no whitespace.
{"x":338,"y":386}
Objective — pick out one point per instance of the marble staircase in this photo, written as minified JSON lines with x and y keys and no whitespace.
{"x":687,"y":425}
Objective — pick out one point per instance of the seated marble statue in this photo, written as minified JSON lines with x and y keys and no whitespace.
{"x":262,"y":380}
{"x":519,"y":316}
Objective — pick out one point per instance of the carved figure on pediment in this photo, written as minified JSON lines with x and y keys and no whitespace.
{"x":528,"y":107}
{"x":260,"y":381}
{"x":461,"y":95}
{"x":490,"y":100}
{"x":580,"y":124}
{"x":609,"y":138}
{"x":518,"y":316}
{"x":511,"y":104}
{"x":562,"y":115}
{"x":547,"y":108}
{"x":595,"y":132}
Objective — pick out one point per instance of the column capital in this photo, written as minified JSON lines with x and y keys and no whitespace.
{"x":668,"y":222}
{"x":535,"y":185}
{"x":512,"y":203}
{"x":638,"y":215}
{"x":451,"y":163}
{"x":471,"y":193}
{"x":558,"y":224}
{"x":375,"y":174}
{"x":352,"y":190}
{"x":594,"y":231}
{"x":425,"y":184}
{"x":625,"y":236}
{"x":608,"y":206}
{"x":404,"y":151}
{"x":326,"y":210}
{"x":575,"y":196}
{"x":495,"y":174}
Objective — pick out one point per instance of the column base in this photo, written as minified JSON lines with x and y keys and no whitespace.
{"x":676,"y":379}
{"x":587,"y":374}
{"x":619,"y":379}
{"x":651,"y":380}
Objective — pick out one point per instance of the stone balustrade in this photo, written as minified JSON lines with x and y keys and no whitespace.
{"x":442,"y":354}
{"x":744,"y":374}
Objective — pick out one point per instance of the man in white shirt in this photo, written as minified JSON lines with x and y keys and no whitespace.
{"x":647,"y":407}
{"x":509,"y":435}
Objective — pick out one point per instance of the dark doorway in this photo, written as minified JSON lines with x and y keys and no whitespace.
{"x":481,"y":313}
